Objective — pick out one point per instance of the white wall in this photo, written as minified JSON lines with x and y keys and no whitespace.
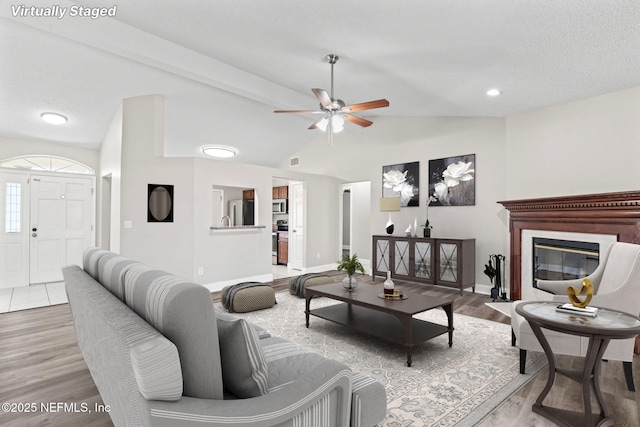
{"x":587,"y":146}
{"x":167,"y":246}
{"x":583,"y":147}
{"x":110,"y":165}
{"x":133,"y":149}
{"x":14,"y":147}
{"x":227,"y":255}
{"x":360,"y":155}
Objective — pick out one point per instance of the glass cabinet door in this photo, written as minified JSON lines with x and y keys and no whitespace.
{"x":448,"y":254}
{"x":382,"y":255}
{"x":401,"y":258}
{"x":422,"y":260}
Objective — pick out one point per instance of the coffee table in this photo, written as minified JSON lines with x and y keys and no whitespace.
{"x":391,"y":320}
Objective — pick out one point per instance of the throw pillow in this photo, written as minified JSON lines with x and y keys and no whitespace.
{"x":244,"y":368}
{"x":156,"y":366}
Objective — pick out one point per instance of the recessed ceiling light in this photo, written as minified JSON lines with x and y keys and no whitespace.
{"x":54,"y":118}
{"x":219,"y":151}
{"x":494,"y":92}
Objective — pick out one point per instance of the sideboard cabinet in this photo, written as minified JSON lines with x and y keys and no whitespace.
{"x":443,"y":262}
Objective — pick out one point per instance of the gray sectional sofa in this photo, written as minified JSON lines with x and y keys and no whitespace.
{"x":161,"y":355}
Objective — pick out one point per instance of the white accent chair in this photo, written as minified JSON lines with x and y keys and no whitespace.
{"x":616,"y":283}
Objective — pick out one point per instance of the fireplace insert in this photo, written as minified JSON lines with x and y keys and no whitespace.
{"x":563,"y":259}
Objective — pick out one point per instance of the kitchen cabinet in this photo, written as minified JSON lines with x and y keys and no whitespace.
{"x":280,"y":192}
{"x":283,"y":247}
{"x":442,"y":262}
{"x":248,"y":194}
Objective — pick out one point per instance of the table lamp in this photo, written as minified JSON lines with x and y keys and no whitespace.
{"x":389,"y":204}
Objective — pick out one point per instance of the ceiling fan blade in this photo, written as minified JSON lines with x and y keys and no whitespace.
{"x":379,"y":103}
{"x":298,"y":111}
{"x":316,"y":123}
{"x":323,"y":97}
{"x":357,"y":120}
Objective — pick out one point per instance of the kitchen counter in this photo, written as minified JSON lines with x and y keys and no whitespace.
{"x":236,"y":227}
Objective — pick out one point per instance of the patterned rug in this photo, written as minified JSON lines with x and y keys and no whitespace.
{"x":455,"y":386}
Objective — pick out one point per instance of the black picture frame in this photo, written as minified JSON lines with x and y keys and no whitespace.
{"x":407,"y":187}
{"x":159,"y":203}
{"x":452,"y":181}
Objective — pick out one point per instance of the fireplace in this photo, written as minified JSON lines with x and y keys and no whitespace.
{"x":569,"y":242}
{"x":555,"y":259}
{"x":599,"y":218}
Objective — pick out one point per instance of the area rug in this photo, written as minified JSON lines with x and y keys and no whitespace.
{"x":444,"y":386}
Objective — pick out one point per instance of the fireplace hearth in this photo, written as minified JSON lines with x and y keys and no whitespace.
{"x":615,"y":215}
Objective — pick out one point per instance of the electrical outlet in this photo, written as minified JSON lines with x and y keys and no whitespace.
{"x":200,"y":271}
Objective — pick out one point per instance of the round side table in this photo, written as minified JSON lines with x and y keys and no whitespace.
{"x":607,"y":325}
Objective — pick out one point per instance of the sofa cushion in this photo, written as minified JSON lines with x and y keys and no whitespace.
{"x":287,"y":361}
{"x":368,"y":400}
{"x":90,"y":258}
{"x":244,"y":368}
{"x":111,"y":270}
{"x":156,"y":366}
{"x":183,"y":312}
{"x":260,"y":331}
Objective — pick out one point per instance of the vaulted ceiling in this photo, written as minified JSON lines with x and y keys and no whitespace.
{"x":224,"y":66}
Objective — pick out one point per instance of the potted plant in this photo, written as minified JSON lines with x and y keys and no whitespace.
{"x":427,"y":226}
{"x":350,"y":264}
{"x":427,"y":229}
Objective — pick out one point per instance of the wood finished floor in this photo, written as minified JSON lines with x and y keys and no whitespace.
{"x":40,"y":362}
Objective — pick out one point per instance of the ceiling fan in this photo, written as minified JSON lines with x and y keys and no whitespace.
{"x":334,"y":111}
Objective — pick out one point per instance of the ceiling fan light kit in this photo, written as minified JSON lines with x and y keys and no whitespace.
{"x":334,"y":110}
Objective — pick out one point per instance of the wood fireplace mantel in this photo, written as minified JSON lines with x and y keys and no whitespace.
{"x":607,"y":213}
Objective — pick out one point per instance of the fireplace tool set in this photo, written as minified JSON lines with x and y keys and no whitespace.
{"x":498,"y":291}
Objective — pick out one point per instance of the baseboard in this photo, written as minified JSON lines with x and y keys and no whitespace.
{"x":217,"y":286}
{"x":320,"y":268}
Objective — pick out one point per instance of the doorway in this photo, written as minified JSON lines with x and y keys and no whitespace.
{"x":48,"y":220}
{"x":346,"y":221}
{"x":105,"y":222}
{"x":356,"y":221}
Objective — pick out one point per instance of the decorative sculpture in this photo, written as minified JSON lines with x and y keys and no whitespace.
{"x":572,"y":293}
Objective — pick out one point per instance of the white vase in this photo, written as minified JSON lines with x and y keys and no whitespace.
{"x":389,"y":226}
{"x":415,"y":227}
{"x":388,"y":284}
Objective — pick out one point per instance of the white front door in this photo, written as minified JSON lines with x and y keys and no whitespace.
{"x":14,"y":219}
{"x":61,"y":224}
{"x":296,"y":226}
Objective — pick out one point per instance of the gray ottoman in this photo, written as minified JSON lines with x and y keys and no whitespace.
{"x":298,"y":284}
{"x":248,"y":296}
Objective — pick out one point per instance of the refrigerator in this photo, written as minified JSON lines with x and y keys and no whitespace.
{"x":241,"y":212}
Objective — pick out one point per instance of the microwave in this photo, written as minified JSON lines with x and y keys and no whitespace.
{"x":279,"y":206}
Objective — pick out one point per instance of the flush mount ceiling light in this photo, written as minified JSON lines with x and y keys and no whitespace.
{"x":53,"y":118}
{"x":494,"y":92}
{"x":219,"y":151}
